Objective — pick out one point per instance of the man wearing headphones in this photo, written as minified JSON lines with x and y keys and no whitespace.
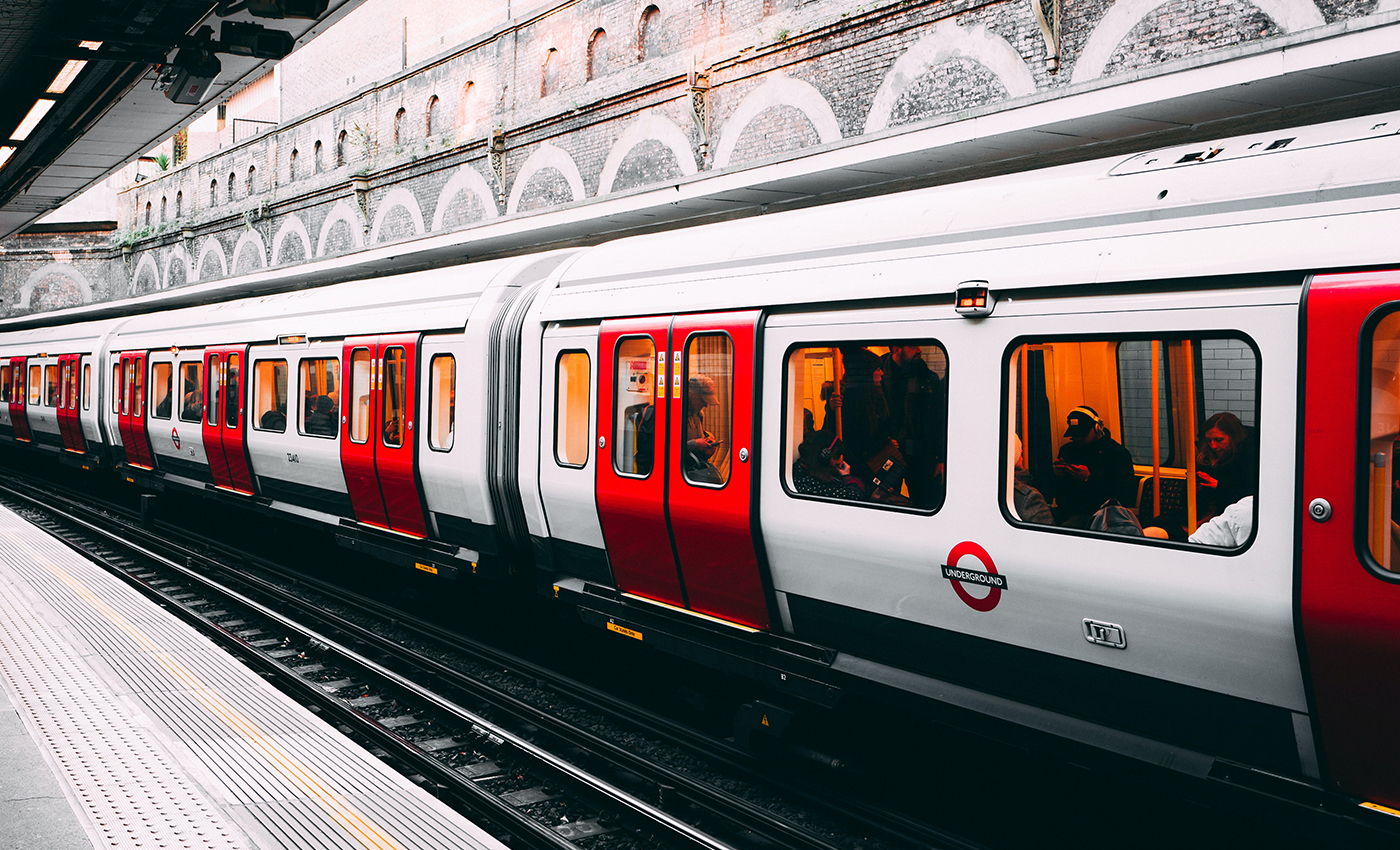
{"x":1092,"y":468}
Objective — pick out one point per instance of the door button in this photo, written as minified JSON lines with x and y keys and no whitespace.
{"x":743,"y":455}
{"x":1320,"y":510}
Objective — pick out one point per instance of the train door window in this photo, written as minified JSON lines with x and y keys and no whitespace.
{"x":270,"y":395}
{"x":191,"y":392}
{"x":36,"y":376}
{"x":442,"y":402}
{"x":1383,"y":451}
{"x":68,"y":390}
{"x":51,"y":385}
{"x":4,"y":383}
{"x":87,"y":386}
{"x":128,"y":375}
{"x":709,"y":409}
{"x":63,"y":373}
{"x":319,"y":397}
{"x":361,"y":369}
{"x":395,"y":367}
{"x":138,"y":401}
{"x":118,"y":390}
{"x":162,"y":377}
{"x":212,"y":393}
{"x":571,"y":388}
{"x":1136,"y":437}
{"x":233,"y":391}
{"x":867,"y":423}
{"x":634,"y":407}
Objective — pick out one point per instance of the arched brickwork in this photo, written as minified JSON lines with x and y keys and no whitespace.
{"x":778,"y":90}
{"x":395,"y":198}
{"x":466,"y":179}
{"x":293,"y":226}
{"x":43,"y":273}
{"x":949,"y":42}
{"x":252,"y":241}
{"x":179,"y":255}
{"x":1123,"y":15}
{"x":546,"y":157}
{"x":146,"y":278}
{"x":211,"y":248}
{"x":649,"y":126}
{"x":342,"y":211}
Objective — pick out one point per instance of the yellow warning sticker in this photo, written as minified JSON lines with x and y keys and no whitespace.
{"x":427,"y":568}
{"x":1379,"y":808}
{"x":623,"y":630}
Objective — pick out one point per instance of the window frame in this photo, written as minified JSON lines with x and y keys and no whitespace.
{"x":785,"y":460}
{"x":685,"y":403}
{"x":405,"y":414}
{"x":116,"y":391}
{"x":87,"y":382}
{"x":1196,"y":336}
{"x":170,"y":387}
{"x":198,"y":365}
{"x":302,"y":413}
{"x":369,"y":393}
{"x":255,"y":419}
{"x":612,"y":414}
{"x":588,"y":443}
{"x":5,"y":387}
{"x":35,"y":385}
{"x":432,"y":401}
{"x":1362,"y":463}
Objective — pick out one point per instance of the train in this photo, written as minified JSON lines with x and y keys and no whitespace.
{"x":799,"y":447}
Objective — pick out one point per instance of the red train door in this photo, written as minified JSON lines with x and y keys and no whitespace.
{"x":675,"y":500}
{"x":17,"y":400}
{"x":68,"y":424}
{"x":377,"y":447}
{"x":1350,"y":558}
{"x":61,"y":408}
{"x":224,"y":428}
{"x":132,"y":416}
{"x":74,"y":396}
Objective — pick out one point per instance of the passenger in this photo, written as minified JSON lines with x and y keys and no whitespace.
{"x":321,"y":420}
{"x":700,"y":445}
{"x":192,"y":406}
{"x":1091,"y":469}
{"x":163,"y":408}
{"x":274,"y":420}
{"x":1226,"y":470}
{"x":645,"y":452}
{"x":1113,"y":518}
{"x":918,"y":405}
{"x":866,"y":429}
{"x":1030,"y":504}
{"x":1231,"y":529}
{"x":821,"y":471}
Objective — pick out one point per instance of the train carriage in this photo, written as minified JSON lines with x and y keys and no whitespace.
{"x":803,"y":447}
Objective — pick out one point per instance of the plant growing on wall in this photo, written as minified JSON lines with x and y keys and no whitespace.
{"x":365,"y":145}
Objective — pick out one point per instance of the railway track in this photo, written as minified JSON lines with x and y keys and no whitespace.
{"x":400,"y":685}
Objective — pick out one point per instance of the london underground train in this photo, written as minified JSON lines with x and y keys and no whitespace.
{"x":1102,"y":451}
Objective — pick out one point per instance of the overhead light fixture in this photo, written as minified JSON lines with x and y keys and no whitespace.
{"x":66,"y":77}
{"x":5,"y":153}
{"x":90,"y":45}
{"x":188,"y":78}
{"x":254,"y":40}
{"x":309,"y":9}
{"x":36,"y":114}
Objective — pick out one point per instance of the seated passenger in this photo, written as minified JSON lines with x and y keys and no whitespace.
{"x":917,"y":403}
{"x":192,"y":406}
{"x":821,"y":471}
{"x":700,"y":445}
{"x":1030,"y":504}
{"x":163,"y":408}
{"x":1091,"y":469}
{"x":321,"y":421}
{"x":1231,"y":528}
{"x":866,"y":428}
{"x":274,"y":420}
{"x":1225,"y":466}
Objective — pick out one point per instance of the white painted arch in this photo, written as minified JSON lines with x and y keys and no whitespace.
{"x":948,"y":42}
{"x":214,"y":247}
{"x":649,"y":126}
{"x":179,"y":253}
{"x":465,"y":179}
{"x":342,"y":211}
{"x":251,"y":240}
{"x":778,"y":90}
{"x":1123,"y":15}
{"x":398,"y":196}
{"x":547,"y":156}
{"x":292,"y":226}
{"x":147,"y":262}
{"x":26,"y":289}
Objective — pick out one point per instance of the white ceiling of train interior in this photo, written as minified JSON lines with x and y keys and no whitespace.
{"x":110,"y":114}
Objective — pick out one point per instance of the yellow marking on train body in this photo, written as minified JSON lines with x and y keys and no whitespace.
{"x":1395,"y":813}
{"x":427,"y":568}
{"x":623,"y":630}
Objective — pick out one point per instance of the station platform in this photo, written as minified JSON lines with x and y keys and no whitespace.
{"x":122,"y":727}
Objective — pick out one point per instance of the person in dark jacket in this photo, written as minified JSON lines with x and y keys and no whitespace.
{"x":1226,"y":471}
{"x":918,"y":405}
{"x":865,"y":417}
{"x":1091,"y":469}
{"x":1029,"y":503}
{"x":321,"y":421}
{"x":821,"y":471}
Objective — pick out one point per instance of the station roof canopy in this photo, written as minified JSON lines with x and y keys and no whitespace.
{"x":110,"y":112}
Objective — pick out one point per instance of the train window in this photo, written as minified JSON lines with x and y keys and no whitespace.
{"x":571,"y":388}
{"x":634,"y":406}
{"x":867,"y":422}
{"x":138,"y":402}
{"x":51,"y":385}
{"x":4,"y":383}
{"x":87,"y":386}
{"x":442,"y":404}
{"x":1383,"y":451}
{"x":65,"y":382}
{"x":1184,"y":408}
{"x":233,"y":391}
{"x":395,"y":367}
{"x":319,"y":396}
{"x":706,"y":444}
{"x":212,"y":393}
{"x":36,"y":376}
{"x":270,"y":395}
{"x":162,"y":379}
{"x":191,"y":392}
{"x":361,"y":364}
{"x":117,"y":391}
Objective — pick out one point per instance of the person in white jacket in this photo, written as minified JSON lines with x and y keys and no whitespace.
{"x":1231,"y":528}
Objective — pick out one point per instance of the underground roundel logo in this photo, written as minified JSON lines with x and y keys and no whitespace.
{"x":175,"y":437}
{"x":959,"y":576}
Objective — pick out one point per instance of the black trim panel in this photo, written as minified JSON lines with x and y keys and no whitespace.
{"x":315,"y":498}
{"x":7,"y":431}
{"x":45,"y":438}
{"x":463,"y":532}
{"x":586,"y":562}
{"x":1213,"y":723}
{"x":190,"y":469}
